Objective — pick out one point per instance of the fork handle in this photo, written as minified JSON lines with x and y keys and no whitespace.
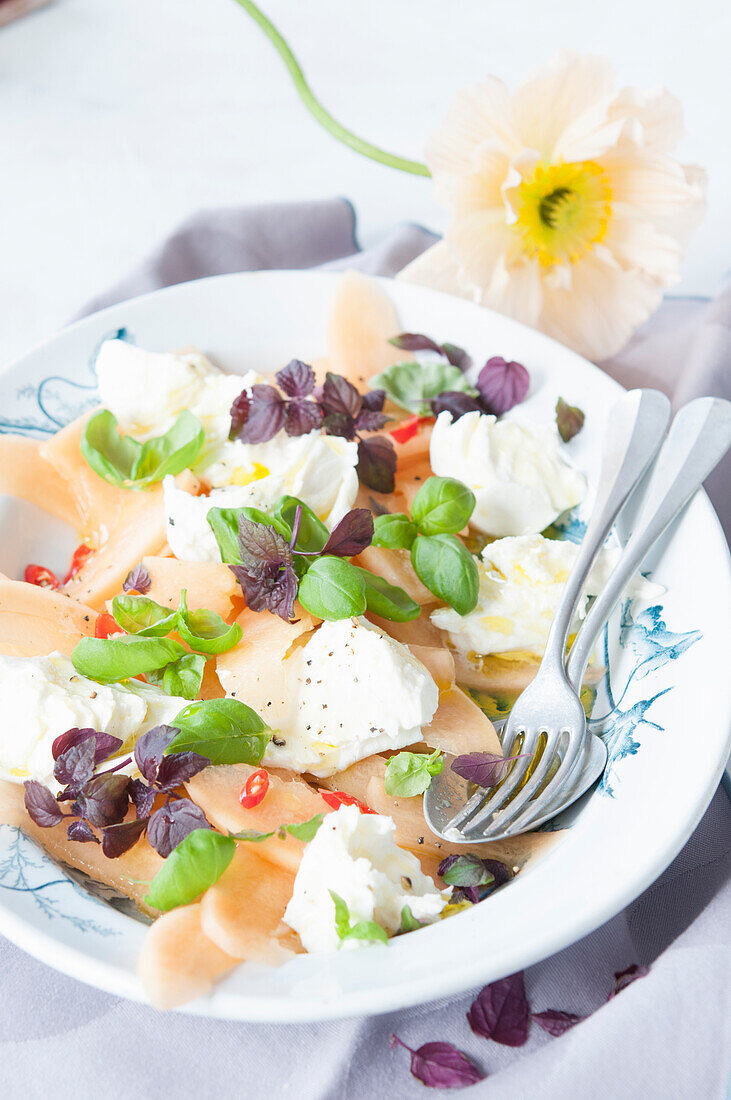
{"x":636,"y":427}
{"x":698,"y":439}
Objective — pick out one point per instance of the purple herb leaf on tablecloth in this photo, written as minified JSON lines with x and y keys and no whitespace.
{"x":623,"y":978}
{"x":501,"y":1012}
{"x":556,"y":1022}
{"x":569,"y":420}
{"x":441,"y":1065}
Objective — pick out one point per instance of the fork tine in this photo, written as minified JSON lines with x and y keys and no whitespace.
{"x":553,"y":789}
{"x":481,"y":796}
{"x":503,"y":818}
{"x":499,"y":795}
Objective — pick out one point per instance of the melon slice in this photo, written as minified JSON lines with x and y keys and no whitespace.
{"x":25,"y":473}
{"x":439,"y":662}
{"x":178,"y":962}
{"x":122,"y":525}
{"x":415,"y":451}
{"x":419,"y":632}
{"x":288,"y":801}
{"x":35,"y":621}
{"x":129,"y":874}
{"x":362,"y":320}
{"x":208,"y":584}
{"x":395,"y":567}
{"x":242,"y":912}
{"x":460,"y":726}
{"x":505,"y":675}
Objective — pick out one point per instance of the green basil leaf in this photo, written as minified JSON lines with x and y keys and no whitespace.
{"x":394,"y":531}
{"x":468,"y":870}
{"x":183,"y":677}
{"x":205,"y":631}
{"x":412,"y":385}
{"x":142,"y":616}
{"x":332,"y":589}
{"x":388,"y":600}
{"x":108,"y":660}
{"x":342,"y":915}
{"x":251,"y":835}
{"x":367,"y":930}
{"x":409,"y":923}
{"x":196,"y":863}
{"x":447,"y":568}
{"x":442,"y":506}
{"x":224,"y":522}
{"x":225,"y":731}
{"x":312,"y":534}
{"x":411,"y":773}
{"x":306,"y":830}
{"x":125,"y":462}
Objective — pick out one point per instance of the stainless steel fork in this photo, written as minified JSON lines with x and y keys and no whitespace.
{"x":549,"y":709}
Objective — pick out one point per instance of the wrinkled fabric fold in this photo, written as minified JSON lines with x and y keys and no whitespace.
{"x":665,"y":1036}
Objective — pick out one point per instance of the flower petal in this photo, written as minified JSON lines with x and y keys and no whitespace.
{"x":636,"y":243}
{"x":436,"y":268}
{"x":652,"y":182}
{"x":659,"y":113}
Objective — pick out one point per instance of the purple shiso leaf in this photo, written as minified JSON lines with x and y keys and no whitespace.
{"x":441,"y":1065}
{"x":150,"y":750}
{"x":41,"y":805}
{"x":239,"y":413}
{"x":297,"y":379}
{"x":623,"y":978}
{"x":373,"y":400}
{"x":377,"y":464}
{"x":457,"y":356}
{"x":75,"y":766}
{"x":138,"y":579}
{"x":118,"y":839}
{"x":500,"y":872}
{"x":370,"y":421}
{"x":415,"y":341}
{"x":339,"y":424}
{"x":142,"y":797}
{"x":556,"y":1022}
{"x":266,"y":573}
{"x":81,"y":832}
{"x":172,"y":823}
{"x":302,"y":417}
{"x":456,"y":403}
{"x":105,"y":800}
{"x":464,"y":871}
{"x":500,"y":1011}
{"x":105,"y":743}
{"x":351,"y":535}
{"x":485,"y":769}
{"x":502,"y":384}
{"x":339,"y":396}
{"x":569,"y":420}
{"x":265,"y":416}
{"x":106,"y":746}
{"x":178,"y":768}
{"x":465,"y":893}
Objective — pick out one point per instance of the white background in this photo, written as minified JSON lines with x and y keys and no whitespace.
{"x":120,"y":117}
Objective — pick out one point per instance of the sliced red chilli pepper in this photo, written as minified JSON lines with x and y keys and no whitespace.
{"x":106,"y":625}
{"x":82,"y":554}
{"x":38,"y":574}
{"x":254,"y":789}
{"x":408,"y":428}
{"x":336,"y":799}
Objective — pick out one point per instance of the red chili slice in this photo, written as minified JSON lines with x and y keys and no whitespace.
{"x":82,"y":554}
{"x":408,"y":428}
{"x":106,"y":625}
{"x":38,"y":574}
{"x":336,"y":799}
{"x":254,"y":789}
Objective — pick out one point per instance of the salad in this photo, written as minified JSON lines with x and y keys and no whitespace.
{"x":295,"y":600}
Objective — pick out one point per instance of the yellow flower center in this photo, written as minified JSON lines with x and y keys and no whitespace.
{"x":563,"y":211}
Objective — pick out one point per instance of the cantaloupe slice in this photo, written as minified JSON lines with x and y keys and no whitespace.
{"x":395,"y":567}
{"x":460,"y":726}
{"x":178,"y":962}
{"x":121,"y":525}
{"x":25,"y":473}
{"x":252,"y":671}
{"x":129,"y":874}
{"x":288,"y":801}
{"x":506,"y":675}
{"x":362,"y":320}
{"x":419,"y":632}
{"x":242,"y":912}
{"x":35,"y":621}
{"x":440,"y":663}
{"x":413,"y":452}
{"x":208,"y":584}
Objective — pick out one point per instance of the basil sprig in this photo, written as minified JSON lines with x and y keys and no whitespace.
{"x":203,"y":630}
{"x":108,"y":660}
{"x":333,"y":589}
{"x":182,"y":677}
{"x":411,"y":773}
{"x":304,"y":831}
{"x":197,"y":863}
{"x":442,"y":507}
{"x":412,"y":385}
{"x":225,"y":731}
{"x":388,"y":600}
{"x":125,"y":462}
{"x":363,"y":930}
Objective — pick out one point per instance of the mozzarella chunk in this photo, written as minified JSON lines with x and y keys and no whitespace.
{"x":356,"y":856}
{"x":45,"y":696}
{"x":520,"y":480}
{"x":521,"y":581}
{"x":351,"y":691}
{"x":188,"y":532}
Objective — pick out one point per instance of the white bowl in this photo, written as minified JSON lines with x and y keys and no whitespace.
{"x":668,"y":738}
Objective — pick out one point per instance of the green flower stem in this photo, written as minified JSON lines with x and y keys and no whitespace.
{"x":317,"y":110}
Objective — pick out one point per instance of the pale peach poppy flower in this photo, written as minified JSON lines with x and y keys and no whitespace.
{"x":566,"y":210}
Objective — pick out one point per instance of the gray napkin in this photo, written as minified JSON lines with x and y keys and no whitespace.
{"x":666,"y":1037}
